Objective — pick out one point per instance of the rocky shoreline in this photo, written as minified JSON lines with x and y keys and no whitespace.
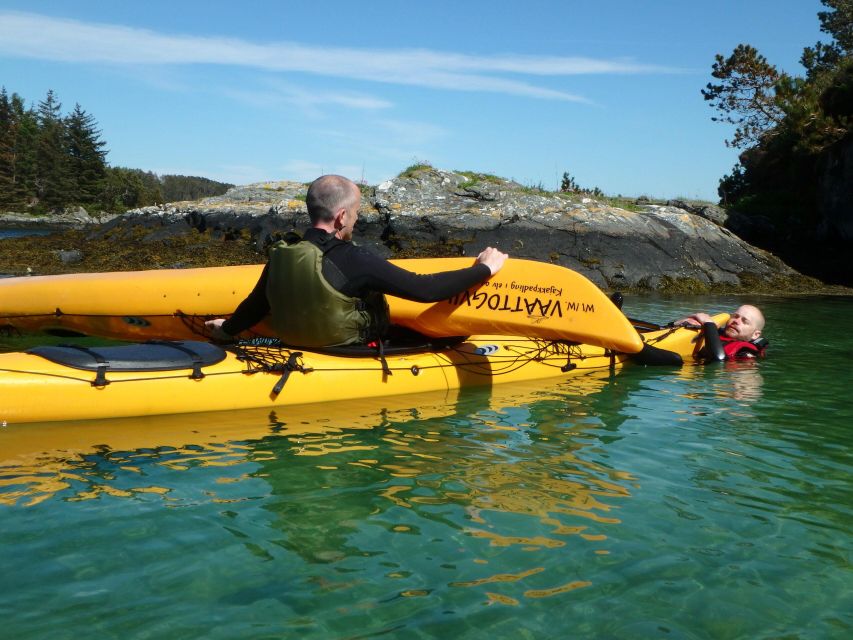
{"x":620,"y":245}
{"x":77,"y":218}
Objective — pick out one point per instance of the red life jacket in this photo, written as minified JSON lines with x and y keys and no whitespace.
{"x":742,"y":349}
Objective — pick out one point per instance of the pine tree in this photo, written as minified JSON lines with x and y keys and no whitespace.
{"x":7,"y":155}
{"x":25,"y":151}
{"x":129,"y":188}
{"x":53,"y":184}
{"x":838,"y":23}
{"x":793,"y":130}
{"x":745,"y":95}
{"x":86,"y":157}
{"x":176,"y":187}
{"x":17,"y":129}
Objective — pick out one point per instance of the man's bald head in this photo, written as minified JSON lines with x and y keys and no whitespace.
{"x":327,"y":195}
{"x":746,"y":323}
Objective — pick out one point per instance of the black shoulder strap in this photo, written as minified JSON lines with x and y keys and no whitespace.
{"x":291,"y":237}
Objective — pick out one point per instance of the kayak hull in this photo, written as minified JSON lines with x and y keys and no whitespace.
{"x":34,"y":389}
{"x":525,"y":298}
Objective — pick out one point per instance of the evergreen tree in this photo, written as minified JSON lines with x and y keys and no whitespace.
{"x":568,"y":183}
{"x":152,"y":188}
{"x":86,"y":156}
{"x":17,"y":130}
{"x":49,"y":162}
{"x":793,"y":130}
{"x":175,"y":187}
{"x":25,"y":151}
{"x":53,"y":183}
{"x":745,"y":95}
{"x":7,"y":154}
{"x":129,"y":188}
{"x":838,"y":23}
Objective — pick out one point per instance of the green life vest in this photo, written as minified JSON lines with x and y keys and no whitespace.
{"x":307,"y":311}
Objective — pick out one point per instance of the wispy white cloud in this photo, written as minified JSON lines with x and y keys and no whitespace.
{"x":276,"y":93}
{"x":36,"y":36}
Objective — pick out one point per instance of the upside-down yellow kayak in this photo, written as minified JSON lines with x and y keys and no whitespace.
{"x":70,"y":383}
{"x":525,"y":298}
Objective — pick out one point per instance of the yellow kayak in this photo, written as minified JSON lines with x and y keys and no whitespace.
{"x":70,"y":383}
{"x":525,"y":298}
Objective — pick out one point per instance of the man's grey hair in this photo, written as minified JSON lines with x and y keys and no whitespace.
{"x":326,"y":195}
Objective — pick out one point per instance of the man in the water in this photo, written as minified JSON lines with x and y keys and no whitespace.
{"x":740,"y":337}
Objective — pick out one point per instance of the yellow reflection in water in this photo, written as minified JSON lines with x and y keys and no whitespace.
{"x":38,"y":461}
{"x":497,"y":598}
{"x":500,"y":577}
{"x":494,"y":474}
{"x":497,"y":540}
{"x":547,"y":593}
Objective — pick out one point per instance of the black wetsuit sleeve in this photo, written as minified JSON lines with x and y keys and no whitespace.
{"x":713,"y":347}
{"x":368,"y":272}
{"x":252,"y":310}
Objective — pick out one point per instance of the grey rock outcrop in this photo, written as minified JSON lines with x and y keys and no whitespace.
{"x":71,"y":218}
{"x":436,"y":212}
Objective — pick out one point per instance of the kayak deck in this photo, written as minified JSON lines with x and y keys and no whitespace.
{"x":35,"y":389}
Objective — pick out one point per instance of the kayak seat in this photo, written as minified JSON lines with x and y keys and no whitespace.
{"x":146,"y":356}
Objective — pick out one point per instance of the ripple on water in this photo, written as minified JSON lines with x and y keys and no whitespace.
{"x":706,"y":502}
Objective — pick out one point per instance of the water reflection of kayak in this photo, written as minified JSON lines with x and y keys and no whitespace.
{"x":71,"y":383}
{"x":48,"y":458}
{"x":21,"y":443}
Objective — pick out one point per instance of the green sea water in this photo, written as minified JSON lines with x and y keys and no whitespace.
{"x":701,"y":502}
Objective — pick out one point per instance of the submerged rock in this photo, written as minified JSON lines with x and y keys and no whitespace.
{"x":70,"y":256}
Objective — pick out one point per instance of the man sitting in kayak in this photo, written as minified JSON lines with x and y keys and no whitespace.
{"x":321,"y":290}
{"x":741,"y":337}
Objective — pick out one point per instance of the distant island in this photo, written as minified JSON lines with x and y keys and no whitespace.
{"x":620,"y":244}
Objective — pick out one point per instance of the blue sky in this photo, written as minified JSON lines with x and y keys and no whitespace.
{"x":243,"y":92}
